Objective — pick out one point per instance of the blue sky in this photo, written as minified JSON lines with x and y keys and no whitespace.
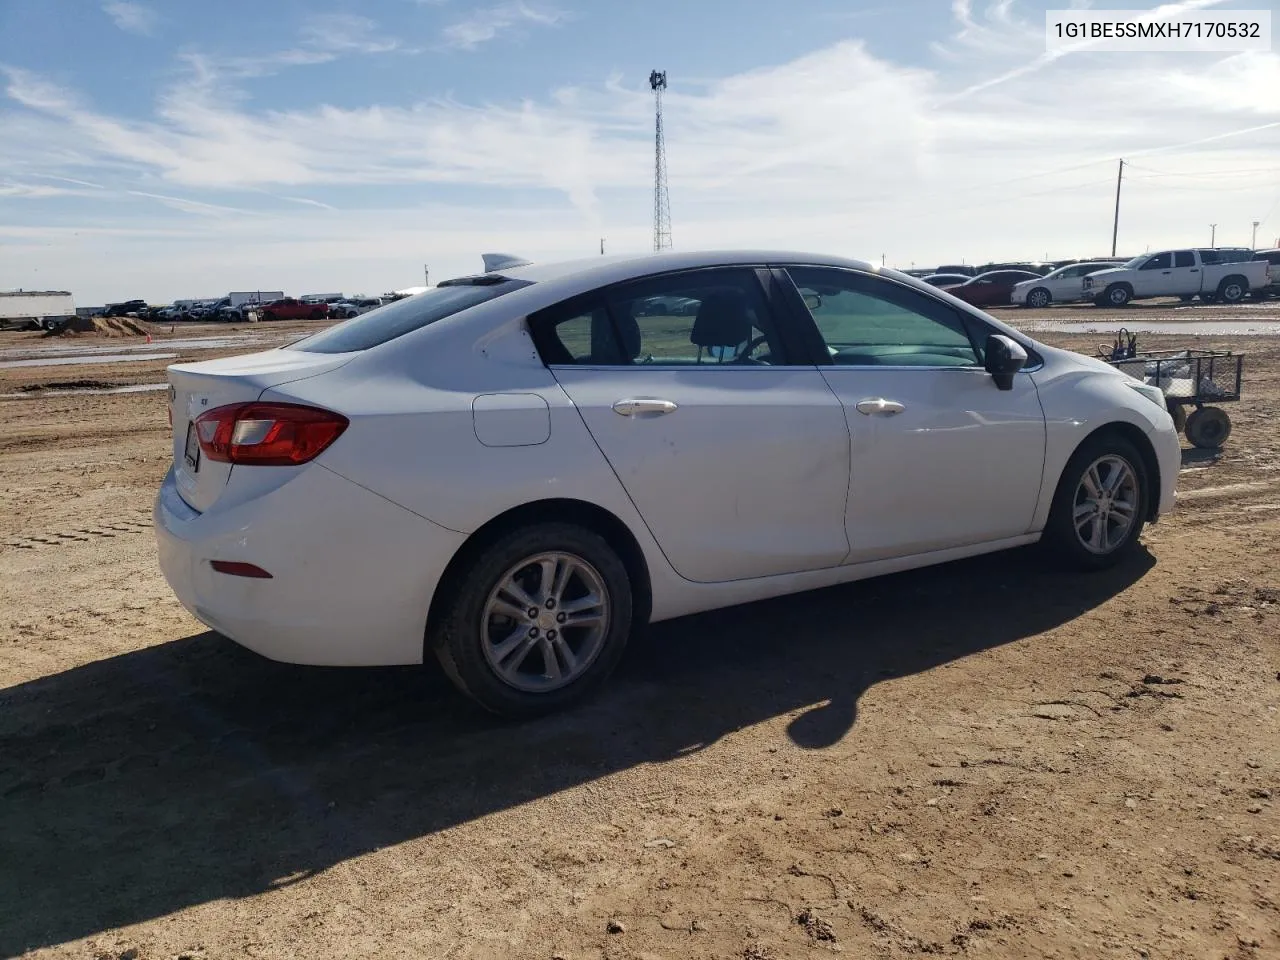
{"x":173,"y":149}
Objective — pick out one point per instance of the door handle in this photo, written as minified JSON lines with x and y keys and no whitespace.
{"x":1195,"y":269}
{"x":636,"y":408}
{"x":879,"y":405}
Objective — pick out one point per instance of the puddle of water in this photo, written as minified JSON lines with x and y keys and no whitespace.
{"x":1189,"y":328}
{"x":96,"y":358}
{"x":131,"y":388}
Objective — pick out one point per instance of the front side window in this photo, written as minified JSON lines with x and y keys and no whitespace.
{"x":703,"y":317}
{"x":1161,"y":261}
{"x":868,"y":321}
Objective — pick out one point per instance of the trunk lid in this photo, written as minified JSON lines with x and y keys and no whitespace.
{"x":197,"y":387}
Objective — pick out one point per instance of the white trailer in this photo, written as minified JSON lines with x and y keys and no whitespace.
{"x":36,"y":309}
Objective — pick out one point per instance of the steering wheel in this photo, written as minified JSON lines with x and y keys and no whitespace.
{"x":745,"y":355}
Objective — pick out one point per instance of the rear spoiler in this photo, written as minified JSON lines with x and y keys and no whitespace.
{"x":502,"y":261}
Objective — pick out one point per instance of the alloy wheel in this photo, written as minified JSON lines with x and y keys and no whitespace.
{"x":545,"y":622}
{"x":1105,"y":506}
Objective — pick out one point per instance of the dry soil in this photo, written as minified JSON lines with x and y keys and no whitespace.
{"x":984,"y":759}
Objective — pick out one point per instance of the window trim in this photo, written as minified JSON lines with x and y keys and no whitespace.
{"x":976,"y":328}
{"x":542,"y":323}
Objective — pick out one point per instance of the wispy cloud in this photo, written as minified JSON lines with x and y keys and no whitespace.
{"x":483,"y":25}
{"x":309,"y":202}
{"x":345,"y":33}
{"x":131,"y":17}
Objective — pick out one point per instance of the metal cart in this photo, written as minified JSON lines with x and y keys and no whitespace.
{"x":1188,"y":378}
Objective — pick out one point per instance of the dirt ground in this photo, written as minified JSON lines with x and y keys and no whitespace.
{"x":983,"y":759}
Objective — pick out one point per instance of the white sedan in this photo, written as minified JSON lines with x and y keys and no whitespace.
{"x":510,"y":472}
{"x":1064,"y":285}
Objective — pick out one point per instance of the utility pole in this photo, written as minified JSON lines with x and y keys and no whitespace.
{"x":661,"y":201}
{"x":1213,"y":233}
{"x":602,"y":246}
{"x":426,"y":276}
{"x":1254,"y":242}
{"x":1115,"y":227}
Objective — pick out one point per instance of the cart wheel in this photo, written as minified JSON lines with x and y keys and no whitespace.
{"x":1179,"y":414}
{"x":1208,"y":427}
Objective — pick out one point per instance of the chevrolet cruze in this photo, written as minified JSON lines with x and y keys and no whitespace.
{"x":511,"y":471}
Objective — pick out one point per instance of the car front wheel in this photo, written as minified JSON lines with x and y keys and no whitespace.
{"x":536,"y":620}
{"x":1038,"y":298}
{"x":1100,"y":505}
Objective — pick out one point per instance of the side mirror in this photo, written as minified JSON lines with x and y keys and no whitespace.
{"x":1005,"y":357}
{"x":813,"y":300}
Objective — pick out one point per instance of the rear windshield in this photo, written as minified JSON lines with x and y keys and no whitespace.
{"x":404,"y":316}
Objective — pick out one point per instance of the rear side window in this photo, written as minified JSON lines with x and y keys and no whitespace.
{"x":1184,"y":258}
{"x":404,"y":316}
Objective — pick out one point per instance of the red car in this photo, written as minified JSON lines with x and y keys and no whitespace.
{"x":991,"y":289}
{"x":291,"y":309}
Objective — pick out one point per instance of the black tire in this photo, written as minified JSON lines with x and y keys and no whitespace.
{"x":1179,"y":414}
{"x":268,"y":315}
{"x":458,"y":635}
{"x":1233,"y":289}
{"x":1060,"y":538}
{"x":317,"y":314}
{"x":1117,"y":295}
{"x":1208,"y":428}
{"x":1038,"y":298}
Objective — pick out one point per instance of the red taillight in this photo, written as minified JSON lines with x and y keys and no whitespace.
{"x":267,"y":434}
{"x":237,"y":569}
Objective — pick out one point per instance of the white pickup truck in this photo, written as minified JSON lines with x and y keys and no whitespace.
{"x":1178,"y":273}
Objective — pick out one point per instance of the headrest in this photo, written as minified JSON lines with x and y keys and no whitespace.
{"x":722,"y":321}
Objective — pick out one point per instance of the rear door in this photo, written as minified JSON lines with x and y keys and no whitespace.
{"x":1185,"y":274}
{"x":737,"y":460}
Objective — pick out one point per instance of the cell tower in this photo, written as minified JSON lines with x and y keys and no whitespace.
{"x":661,"y":202}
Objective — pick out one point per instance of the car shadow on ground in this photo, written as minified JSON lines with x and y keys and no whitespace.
{"x":193,"y":770}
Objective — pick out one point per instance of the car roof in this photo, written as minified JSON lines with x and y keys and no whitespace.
{"x":598,"y":271}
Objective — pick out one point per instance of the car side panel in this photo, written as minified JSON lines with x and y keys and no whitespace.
{"x":1076,"y":402}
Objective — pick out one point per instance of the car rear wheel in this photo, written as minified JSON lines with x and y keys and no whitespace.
{"x":1100,"y":505}
{"x":1039,"y":298}
{"x":317,"y":314}
{"x":1233,"y":290}
{"x":536,"y":620}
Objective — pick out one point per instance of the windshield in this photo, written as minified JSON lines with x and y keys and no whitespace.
{"x":404,"y":316}
{"x":1134,"y":263}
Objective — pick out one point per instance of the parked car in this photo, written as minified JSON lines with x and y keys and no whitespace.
{"x":992,"y":289}
{"x":290,"y":309}
{"x":1064,"y":285}
{"x":960,"y":268}
{"x":1271,"y":257}
{"x":125,"y":309}
{"x":346,"y":309}
{"x":945,"y":279}
{"x":1030,"y":266}
{"x":1177,"y":273}
{"x":511,"y":472}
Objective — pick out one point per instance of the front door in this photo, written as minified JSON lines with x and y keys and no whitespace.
{"x":1154,"y":277}
{"x":940,"y":457}
{"x":737,"y":463}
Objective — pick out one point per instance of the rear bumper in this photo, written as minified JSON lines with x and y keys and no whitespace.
{"x":353,"y":574}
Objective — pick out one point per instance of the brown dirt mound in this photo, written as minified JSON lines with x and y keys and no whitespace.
{"x":105,"y":326}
